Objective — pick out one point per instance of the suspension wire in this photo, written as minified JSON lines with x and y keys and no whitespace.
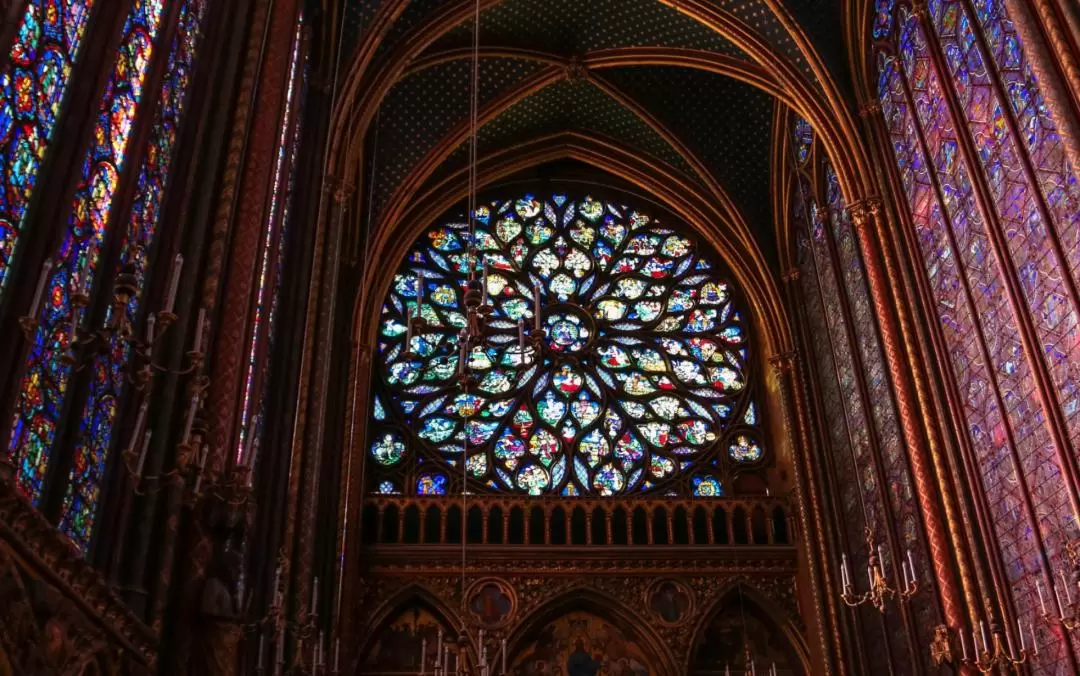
{"x":474,"y":105}
{"x":474,"y":113}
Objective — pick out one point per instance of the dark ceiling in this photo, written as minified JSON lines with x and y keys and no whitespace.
{"x":721,"y":123}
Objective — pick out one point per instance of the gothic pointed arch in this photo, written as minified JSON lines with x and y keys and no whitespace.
{"x":587,"y":626}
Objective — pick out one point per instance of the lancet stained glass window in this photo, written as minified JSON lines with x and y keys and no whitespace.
{"x":643,"y":381}
{"x":32,"y":87}
{"x":271,"y":248}
{"x":75,"y":266}
{"x":108,"y":375}
{"x":994,"y":205}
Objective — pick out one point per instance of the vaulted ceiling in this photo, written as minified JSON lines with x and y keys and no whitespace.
{"x":649,"y":75}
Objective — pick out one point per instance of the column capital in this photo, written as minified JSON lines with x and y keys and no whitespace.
{"x":341,"y":189}
{"x":870,"y":108}
{"x":783,"y":362}
{"x":863,"y":210}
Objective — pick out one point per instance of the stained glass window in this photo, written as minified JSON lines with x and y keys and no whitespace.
{"x":967,"y":118}
{"x":109,"y":377}
{"x":642,"y":382}
{"x":270,"y":259}
{"x":32,"y":87}
{"x":48,"y":371}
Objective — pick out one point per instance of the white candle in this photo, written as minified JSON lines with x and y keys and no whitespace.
{"x":504,"y":657}
{"x":911,"y":567}
{"x":536,"y":306}
{"x":484,"y":300}
{"x":982,"y":630}
{"x":1008,"y":642}
{"x":190,"y":420}
{"x":262,"y":647}
{"x":904,"y":572}
{"x":1042,"y":601}
{"x":1020,"y":631}
{"x":140,"y":422}
{"x":1034,"y":639}
{"x":39,"y":292}
{"x":423,"y":658}
{"x":727,"y":670}
{"x":200,"y":324}
{"x":202,"y":464}
{"x":151,"y":321}
{"x":83,"y":286}
{"x":963,"y":644}
{"x":844,"y":572}
{"x":1065,"y":583}
{"x":1060,"y":607}
{"x":142,"y":452}
{"x":881,"y":560}
{"x":174,"y":282}
{"x":975,"y":643}
{"x":322,"y":649}
{"x":315,"y":596}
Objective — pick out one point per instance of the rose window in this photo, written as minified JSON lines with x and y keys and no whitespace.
{"x":634,"y":378}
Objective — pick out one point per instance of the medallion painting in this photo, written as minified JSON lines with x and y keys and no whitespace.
{"x":670,"y":602}
{"x":582,"y":644}
{"x":618,"y":359}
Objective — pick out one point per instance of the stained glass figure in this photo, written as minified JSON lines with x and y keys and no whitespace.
{"x":642,"y":373}
{"x":32,"y":87}
{"x":967,"y":119}
{"x":45,"y":381}
{"x":109,"y":378}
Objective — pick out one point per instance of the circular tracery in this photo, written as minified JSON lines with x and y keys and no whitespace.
{"x":640,"y":383}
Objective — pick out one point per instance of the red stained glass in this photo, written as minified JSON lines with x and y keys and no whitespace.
{"x":32,"y":87}
{"x":99,"y":413}
{"x":47,"y":374}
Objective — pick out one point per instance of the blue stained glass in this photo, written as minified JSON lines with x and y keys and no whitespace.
{"x":32,"y":87}
{"x":45,"y":381}
{"x":91,"y":453}
{"x":649,"y":318}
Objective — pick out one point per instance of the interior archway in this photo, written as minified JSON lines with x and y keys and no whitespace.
{"x":740,"y":618}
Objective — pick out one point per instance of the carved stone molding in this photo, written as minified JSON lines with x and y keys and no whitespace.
{"x":51,"y":595}
{"x":384,"y":596}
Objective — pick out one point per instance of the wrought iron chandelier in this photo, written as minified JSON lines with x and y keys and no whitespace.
{"x":466,"y":656}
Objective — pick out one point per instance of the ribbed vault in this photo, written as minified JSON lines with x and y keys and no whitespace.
{"x":691,"y":87}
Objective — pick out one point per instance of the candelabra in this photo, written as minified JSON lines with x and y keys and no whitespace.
{"x":477,"y":331}
{"x":992,"y":656}
{"x":1068,"y":611}
{"x":84,"y":345}
{"x":879,"y":592}
{"x":751,"y":667}
{"x":452,"y":658}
